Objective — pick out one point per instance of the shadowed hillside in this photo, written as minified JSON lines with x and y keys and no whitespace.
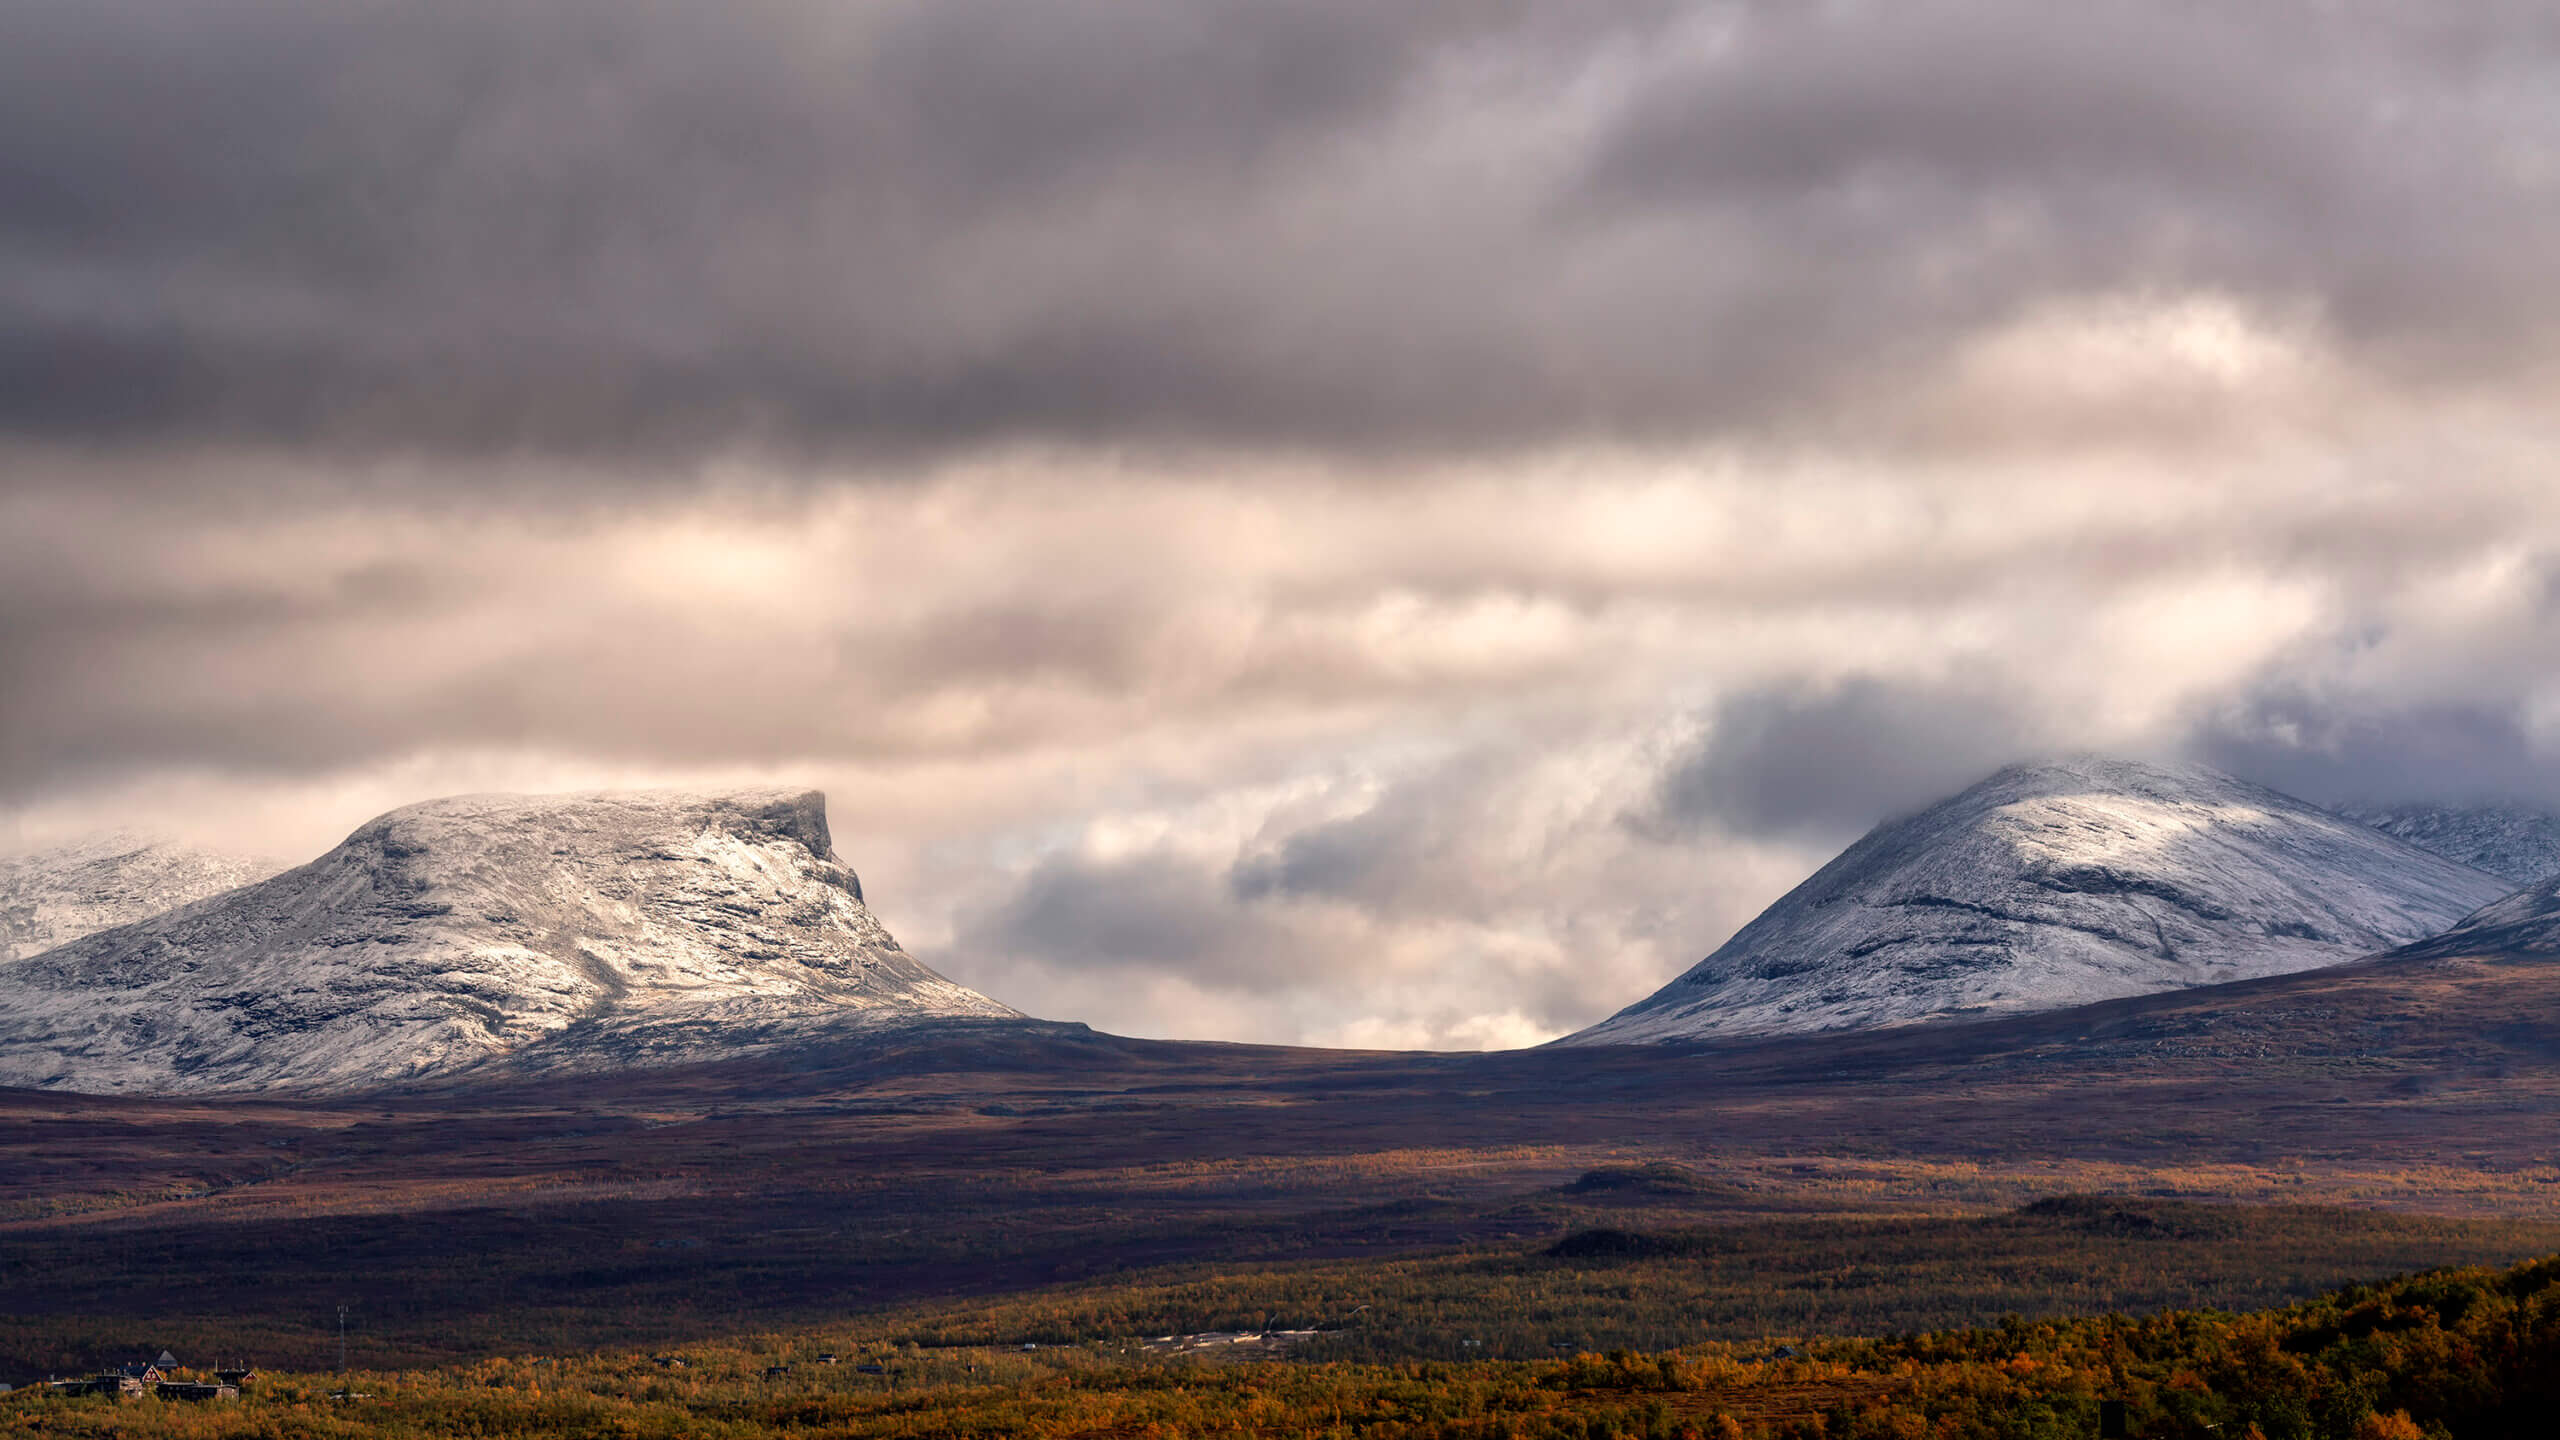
{"x":994,"y":1158}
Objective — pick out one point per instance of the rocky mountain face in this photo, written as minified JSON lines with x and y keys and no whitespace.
{"x":53,"y":897}
{"x":484,"y":931}
{"x":2521,"y":847}
{"x":2060,"y":884}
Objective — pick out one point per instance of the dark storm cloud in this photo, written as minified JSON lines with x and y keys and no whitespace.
{"x":2420,"y":707}
{"x":1408,"y":854}
{"x":1827,"y":763}
{"x":2331,"y":753}
{"x":646,"y":228}
{"x":590,"y":223}
{"x":1933,"y":164}
{"x":1148,"y":913}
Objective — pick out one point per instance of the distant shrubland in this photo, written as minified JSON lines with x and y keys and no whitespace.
{"x":2473,"y":1353}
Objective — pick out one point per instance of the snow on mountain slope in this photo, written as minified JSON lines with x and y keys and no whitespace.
{"x":2060,"y":884}
{"x":53,"y":897}
{"x":2524,"y":923}
{"x":534,"y":931}
{"x":2521,"y":847}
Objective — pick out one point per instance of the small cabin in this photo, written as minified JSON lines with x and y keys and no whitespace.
{"x":196,"y":1390}
{"x":115,"y":1384}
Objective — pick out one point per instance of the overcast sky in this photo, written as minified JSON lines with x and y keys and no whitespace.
{"x":1300,"y":520}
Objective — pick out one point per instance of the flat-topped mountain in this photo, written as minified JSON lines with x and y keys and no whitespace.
{"x":2060,"y":884}
{"x":54,"y":896}
{"x":526,"y":931}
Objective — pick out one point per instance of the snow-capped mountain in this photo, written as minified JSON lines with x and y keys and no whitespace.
{"x":529,"y":931}
{"x":2524,"y":923}
{"x":53,"y":897}
{"x":2521,"y":847}
{"x":2059,"y":884}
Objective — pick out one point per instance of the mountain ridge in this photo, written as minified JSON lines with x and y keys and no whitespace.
{"x":53,"y":896}
{"x":2519,"y":846}
{"x":2526,"y":923}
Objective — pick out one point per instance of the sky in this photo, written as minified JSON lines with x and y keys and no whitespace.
{"x":1302,"y":520}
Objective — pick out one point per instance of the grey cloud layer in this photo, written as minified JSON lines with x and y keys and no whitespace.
{"x":1829,"y":763}
{"x":1287,"y":520}
{"x":1461,"y":759}
{"x":652,"y":228}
